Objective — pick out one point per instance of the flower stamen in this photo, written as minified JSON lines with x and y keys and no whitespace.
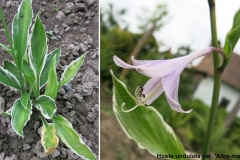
{"x":139,"y":96}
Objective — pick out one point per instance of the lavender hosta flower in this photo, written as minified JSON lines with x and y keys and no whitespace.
{"x":164,"y":77}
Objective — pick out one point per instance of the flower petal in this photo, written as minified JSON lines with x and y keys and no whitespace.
{"x":151,"y":68}
{"x":170,"y":86}
{"x":152,"y":90}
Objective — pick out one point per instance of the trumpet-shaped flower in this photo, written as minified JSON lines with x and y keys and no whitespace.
{"x":164,"y":77}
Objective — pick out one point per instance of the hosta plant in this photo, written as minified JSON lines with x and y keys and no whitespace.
{"x":32,"y":69}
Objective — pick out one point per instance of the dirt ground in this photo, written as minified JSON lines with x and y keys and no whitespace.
{"x":74,"y":27}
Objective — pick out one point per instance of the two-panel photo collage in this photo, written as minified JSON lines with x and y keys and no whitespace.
{"x":119,"y":80}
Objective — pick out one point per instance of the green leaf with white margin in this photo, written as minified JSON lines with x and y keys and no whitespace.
{"x":232,"y":36}
{"x":71,"y":70}
{"x":44,"y":75}
{"x":20,"y":29}
{"x":11,"y":68}
{"x":145,"y":125}
{"x":71,"y":139}
{"x":7,"y":113}
{"x":49,"y":139}
{"x":7,"y":78}
{"x":28,"y":74}
{"x":7,"y":49}
{"x":46,"y":106}
{"x":20,"y":116}
{"x":38,"y":50}
{"x":25,"y":97}
{"x":52,"y":83}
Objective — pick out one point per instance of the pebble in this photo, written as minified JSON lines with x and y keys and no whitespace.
{"x":78,"y":96}
{"x":55,"y":153}
{"x":87,"y":22}
{"x":60,"y":16}
{"x":89,"y":2}
{"x":2,"y":155}
{"x":26,"y":147}
{"x":13,"y":157}
{"x":80,"y":7}
{"x":35,"y":158}
{"x":69,"y":8}
{"x":2,"y":105}
{"x":91,"y":117}
{"x":68,"y":105}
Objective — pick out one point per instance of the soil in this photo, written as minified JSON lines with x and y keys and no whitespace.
{"x":75,"y":28}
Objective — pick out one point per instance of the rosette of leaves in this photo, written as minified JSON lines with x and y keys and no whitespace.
{"x":32,"y":69}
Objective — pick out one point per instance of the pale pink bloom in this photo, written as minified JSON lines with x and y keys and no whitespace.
{"x":164,"y":76}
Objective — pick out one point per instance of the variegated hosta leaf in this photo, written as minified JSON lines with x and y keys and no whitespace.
{"x":25,"y":97}
{"x":20,"y":116}
{"x":7,"y":113}
{"x":232,"y":36}
{"x":46,"y":106}
{"x":71,"y":139}
{"x":20,"y":29}
{"x":28,"y":74}
{"x":7,"y":78}
{"x":71,"y":70}
{"x":38,"y":50}
{"x":52,"y":83}
{"x":144,"y":125}
{"x":7,"y":49}
{"x":11,"y":68}
{"x":44,"y":75}
{"x":49,"y":139}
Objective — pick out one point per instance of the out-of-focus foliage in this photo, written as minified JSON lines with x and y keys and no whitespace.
{"x":117,"y":41}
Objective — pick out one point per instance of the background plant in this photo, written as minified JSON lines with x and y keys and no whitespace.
{"x":32,"y":70}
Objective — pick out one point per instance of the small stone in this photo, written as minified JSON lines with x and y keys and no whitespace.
{"x":71,"y":155}
{"x":68,"y":105}
{"x":9,"y":93}
{"x":83,"y":47}
{"x":69,"y":20}
{"x":2,"y":105}
{"x":64,"y":152}
{"x":67,"y":87}
{"x":9,"y":4}
{"x":35,"y":158}
{"x":89,"y":2}
{"x":36,"y":125}
{"x":13,"y":157}
{"x":68,"y":96}
{"x":64,"y":25}
{"x":91,"y":117}
{"x":80,"y":7}
{"x":44,"y":3}
{"x":69,"y":8}
{"x":55,"y":153}
{"x":2,"y":155}
{"x":87,"y":22}
{"x":56,"y":30}
{"x":78,"y":96}
{"x":87,"y":88}
{"x":68,"y":29}
{"x":26,"y":147}
{"x":62,"y":91}
{"x":60,"y":16}
{"x":82,"y":30}
{"x":37,"y":149}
